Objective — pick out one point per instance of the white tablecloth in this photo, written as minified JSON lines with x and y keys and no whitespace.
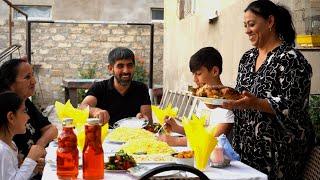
{"x":237,"y":169}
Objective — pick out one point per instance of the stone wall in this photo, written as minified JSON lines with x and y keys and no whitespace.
{"x":62,"y":49}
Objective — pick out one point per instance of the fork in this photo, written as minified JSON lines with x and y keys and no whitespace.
{"x":158,"y":132}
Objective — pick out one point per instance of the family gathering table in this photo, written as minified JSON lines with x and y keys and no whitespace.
{"x":237,"y":169}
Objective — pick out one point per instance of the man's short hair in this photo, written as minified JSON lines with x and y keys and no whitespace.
{"x":207,"y":57}
{"x":120,"y":53}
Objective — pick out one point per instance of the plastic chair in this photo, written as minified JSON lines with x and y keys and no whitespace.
{"x":168,"y":167}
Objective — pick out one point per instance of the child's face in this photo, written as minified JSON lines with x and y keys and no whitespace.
{"x":204,"y":76}
{"x":21,"y":118}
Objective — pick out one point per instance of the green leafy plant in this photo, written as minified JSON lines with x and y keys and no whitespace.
{"x":314,"y":112}
{"x":140,"y":73}
{"x":86,"y":73}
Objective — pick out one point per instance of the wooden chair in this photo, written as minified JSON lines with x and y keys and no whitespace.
{"x":312,"y":169}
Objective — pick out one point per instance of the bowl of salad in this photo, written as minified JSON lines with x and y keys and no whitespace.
{"x":121,"y":161}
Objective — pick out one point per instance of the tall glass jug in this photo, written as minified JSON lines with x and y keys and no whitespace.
{"x":93,"y":164}
{"x":67,"y":152}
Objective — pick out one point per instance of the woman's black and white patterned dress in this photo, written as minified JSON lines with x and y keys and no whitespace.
{"x":275,"y":144}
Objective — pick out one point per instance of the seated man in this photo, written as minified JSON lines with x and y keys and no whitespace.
{"x":118,"y":97}
{"x":206,"y":66}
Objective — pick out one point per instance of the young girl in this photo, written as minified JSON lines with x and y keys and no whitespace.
{"x":13,"y":118}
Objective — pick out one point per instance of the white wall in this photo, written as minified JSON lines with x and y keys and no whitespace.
{"x":182,"y":38}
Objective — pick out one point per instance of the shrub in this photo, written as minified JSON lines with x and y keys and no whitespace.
{"x":86,"y":73}
{"x":140,"y":73}
{"x":314,"y":112}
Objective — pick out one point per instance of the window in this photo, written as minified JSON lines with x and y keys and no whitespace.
{"x":34,"y":12}
{"x":186,"y":8}
{"x":157,"y":13}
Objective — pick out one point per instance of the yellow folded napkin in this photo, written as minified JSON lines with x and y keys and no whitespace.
{"x":79,"y":117}
{"x":200,"y":139}
{"x":162,"y":113}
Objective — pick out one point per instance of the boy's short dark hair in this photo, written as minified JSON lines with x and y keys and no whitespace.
{"x":120,"y":53}
{"x":207,"y":57}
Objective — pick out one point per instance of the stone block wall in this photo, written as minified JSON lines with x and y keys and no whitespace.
{"x":62,"y":49}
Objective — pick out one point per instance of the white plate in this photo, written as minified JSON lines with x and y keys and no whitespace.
{"x":131,"y":122}
{"x":115,"y":171}
{"x":154,"y":159}
{"x":213,"y":101}
{"x":115,"y":142}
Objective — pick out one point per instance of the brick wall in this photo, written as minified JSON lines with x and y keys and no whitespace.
{"x":63,"y":48}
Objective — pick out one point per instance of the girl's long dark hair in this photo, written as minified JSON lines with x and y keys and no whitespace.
{"x":9,"y":102}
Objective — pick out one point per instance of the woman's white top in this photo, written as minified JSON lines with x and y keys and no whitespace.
{"x":9,"y":169}
{"x":214,"y":116}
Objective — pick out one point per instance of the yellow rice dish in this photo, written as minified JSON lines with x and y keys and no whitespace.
{"x":124,"y":134}
{"x":148,"y":146}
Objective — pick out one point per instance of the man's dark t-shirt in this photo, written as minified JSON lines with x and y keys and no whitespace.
{"x":120,"y":106}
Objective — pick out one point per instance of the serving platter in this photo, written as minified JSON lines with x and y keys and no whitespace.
{"x":213,"y":101}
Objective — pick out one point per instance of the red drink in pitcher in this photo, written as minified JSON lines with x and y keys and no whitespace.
{"x":67,"y":152}
{"x":93,"y":161}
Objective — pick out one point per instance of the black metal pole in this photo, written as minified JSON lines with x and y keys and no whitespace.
{"x":151,"y":57}
{"x":28,"y":42}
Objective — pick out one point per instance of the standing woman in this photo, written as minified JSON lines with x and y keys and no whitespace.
{"x":272,"y":130}
{"x":17,"y":75}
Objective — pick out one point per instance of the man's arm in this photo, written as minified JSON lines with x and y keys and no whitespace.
{"x":48,"y":133}
{"x":91,"y":101}
{"x":145,"y":110}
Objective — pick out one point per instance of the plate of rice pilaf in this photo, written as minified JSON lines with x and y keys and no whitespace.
{"x":124,"y":134}
{"x":148,"y":146}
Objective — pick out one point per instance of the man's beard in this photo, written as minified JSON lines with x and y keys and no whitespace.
{"x":123,"y":82}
